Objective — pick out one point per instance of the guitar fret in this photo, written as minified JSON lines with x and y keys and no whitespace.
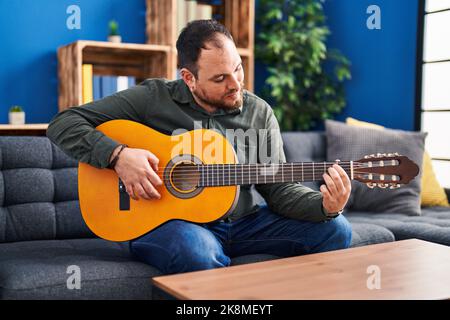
{"x":265,"y":173}
{"x":223,"y":174}
{"x":292,"y":172}
{"x":256,"y":172}
{"x":212,"y":175}
{"x":282,"y":173}
{"x":218,"y":175}
{"x":303,"y":179}
{"x":313,"y":172}
{"x":203,"y":176}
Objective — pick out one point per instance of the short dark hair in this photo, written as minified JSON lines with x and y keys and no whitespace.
{"x":193,"y":38}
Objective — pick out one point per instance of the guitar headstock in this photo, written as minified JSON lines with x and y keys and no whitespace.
{"x":385,"y":170}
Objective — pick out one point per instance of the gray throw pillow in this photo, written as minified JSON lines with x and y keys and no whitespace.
{"x":345,"y":142}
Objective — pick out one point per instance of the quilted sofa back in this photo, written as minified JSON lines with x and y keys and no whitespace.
{"x":38,"y":192}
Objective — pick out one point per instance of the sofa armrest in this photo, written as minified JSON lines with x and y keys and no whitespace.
{"x":447,"y":191}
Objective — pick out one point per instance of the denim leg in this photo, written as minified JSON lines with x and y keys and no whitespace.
{"x":179,"y":246}
{"x":269,"y":233}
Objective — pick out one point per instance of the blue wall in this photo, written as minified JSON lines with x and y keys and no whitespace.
{"x":30,"y":33}
{"x":382,"y":88}
{"x":383,"y":61}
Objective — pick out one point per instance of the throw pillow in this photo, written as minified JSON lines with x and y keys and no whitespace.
{"x":432,"y":194}
{"x":347,"y":142}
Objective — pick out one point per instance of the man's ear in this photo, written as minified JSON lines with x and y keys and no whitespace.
{"x":188,"y":78}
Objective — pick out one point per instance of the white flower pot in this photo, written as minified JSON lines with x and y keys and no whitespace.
{"x":116,"y":39}
{"x":17,"y":117}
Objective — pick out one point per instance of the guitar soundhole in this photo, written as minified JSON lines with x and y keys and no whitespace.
{"x":181,"y":176}
{"x":185,"y":177}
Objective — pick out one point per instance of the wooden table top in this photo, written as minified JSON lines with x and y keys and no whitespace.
{"x":408,"y":269}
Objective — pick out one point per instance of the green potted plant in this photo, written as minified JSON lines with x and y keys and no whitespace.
{"x":305,"y":81}
{"x":16,"y":115}
{"x":114,"y":35}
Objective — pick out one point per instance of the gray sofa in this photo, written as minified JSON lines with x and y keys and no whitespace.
{"x":42,"y":233}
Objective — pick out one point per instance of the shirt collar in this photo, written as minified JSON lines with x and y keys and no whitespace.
{"x":182,"y":94}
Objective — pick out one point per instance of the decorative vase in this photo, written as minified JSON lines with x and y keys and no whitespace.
{"x":115,"y":39}
{"x":17,"y":117}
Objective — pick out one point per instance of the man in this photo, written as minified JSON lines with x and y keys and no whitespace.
{"x":298,"y":220}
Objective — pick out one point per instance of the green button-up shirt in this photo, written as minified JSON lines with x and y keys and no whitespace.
{"x":169,"y":105}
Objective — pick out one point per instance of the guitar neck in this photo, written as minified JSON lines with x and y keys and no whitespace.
{"x":213,"y":175}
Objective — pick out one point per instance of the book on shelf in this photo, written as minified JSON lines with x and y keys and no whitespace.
{"x":104,"y":86}
{"x":95,"y":87}
{"x":87,"y":94}
{"x":188,"y":11}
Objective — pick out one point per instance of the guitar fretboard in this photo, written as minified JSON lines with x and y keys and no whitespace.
{"x":213,"y":175}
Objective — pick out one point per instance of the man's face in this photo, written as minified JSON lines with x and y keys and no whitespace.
{"x":220,"y":78}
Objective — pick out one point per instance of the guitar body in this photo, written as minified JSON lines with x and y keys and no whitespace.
{"x":99,"y":188}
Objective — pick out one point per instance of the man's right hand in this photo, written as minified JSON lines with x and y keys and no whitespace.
{"x":137,"y":168}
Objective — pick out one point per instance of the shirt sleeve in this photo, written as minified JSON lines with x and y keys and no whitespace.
{"x":292,"y":200}
{"x":73,"y":130}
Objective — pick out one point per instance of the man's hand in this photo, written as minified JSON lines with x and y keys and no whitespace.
{"x":137,"y":168}
{"x":337,"y":189}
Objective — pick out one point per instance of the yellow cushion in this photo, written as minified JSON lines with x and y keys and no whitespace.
{"x":432,"y":194}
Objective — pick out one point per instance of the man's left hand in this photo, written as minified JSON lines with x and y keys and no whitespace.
{"x":337,"y":189}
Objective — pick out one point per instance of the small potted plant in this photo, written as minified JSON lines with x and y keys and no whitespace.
{"x":114,"y":35}
{"x":16,"y":115}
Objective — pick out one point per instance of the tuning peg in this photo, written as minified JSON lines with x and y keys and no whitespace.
{"x":371,"y":185}
{"x":396,"y":154}
{"x":383,"y":185}
{"x":394,"y":186}
{"x":390,"y":154}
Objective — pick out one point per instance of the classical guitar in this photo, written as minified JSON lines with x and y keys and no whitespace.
{"x":201,"y":179}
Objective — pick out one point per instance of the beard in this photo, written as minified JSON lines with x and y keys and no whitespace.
{"x":222,"y":102}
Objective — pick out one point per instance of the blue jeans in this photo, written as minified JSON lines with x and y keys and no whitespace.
{"x":179,"y":246}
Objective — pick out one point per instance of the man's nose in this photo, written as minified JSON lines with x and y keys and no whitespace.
{"x":234,"y":83}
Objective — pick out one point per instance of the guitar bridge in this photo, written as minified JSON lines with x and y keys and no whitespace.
{"x":124,"y":197}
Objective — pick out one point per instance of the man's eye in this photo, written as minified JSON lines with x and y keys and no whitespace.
{"x":219,"y":79}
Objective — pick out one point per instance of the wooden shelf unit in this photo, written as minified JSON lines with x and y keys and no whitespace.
{"x":120,"y":59}
{"x":237,"y":15}
{"x":31,"y":129}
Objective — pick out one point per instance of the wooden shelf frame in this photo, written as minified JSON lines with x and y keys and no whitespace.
{"x":120,"y":59}
{"x":30,"y":129}
{"x":237,"y":15}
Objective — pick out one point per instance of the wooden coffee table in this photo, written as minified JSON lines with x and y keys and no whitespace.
{"x":409,"y":269}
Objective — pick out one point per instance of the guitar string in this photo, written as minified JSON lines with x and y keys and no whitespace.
{"x":213,"y":176}
{"x":252,"y":171}
{"x":213,"y":172}
{"x":276,"y":164}
{"x":317,"y":166}
{"x":287,"y":169}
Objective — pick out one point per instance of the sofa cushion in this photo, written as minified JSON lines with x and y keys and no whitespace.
{"x":433,"y":224}
{"x":305,"y":147}
{"x":347,"y":142}
{"x":39,"y":270}
{"x":38,"y":192}
{"x":365,"y":233}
